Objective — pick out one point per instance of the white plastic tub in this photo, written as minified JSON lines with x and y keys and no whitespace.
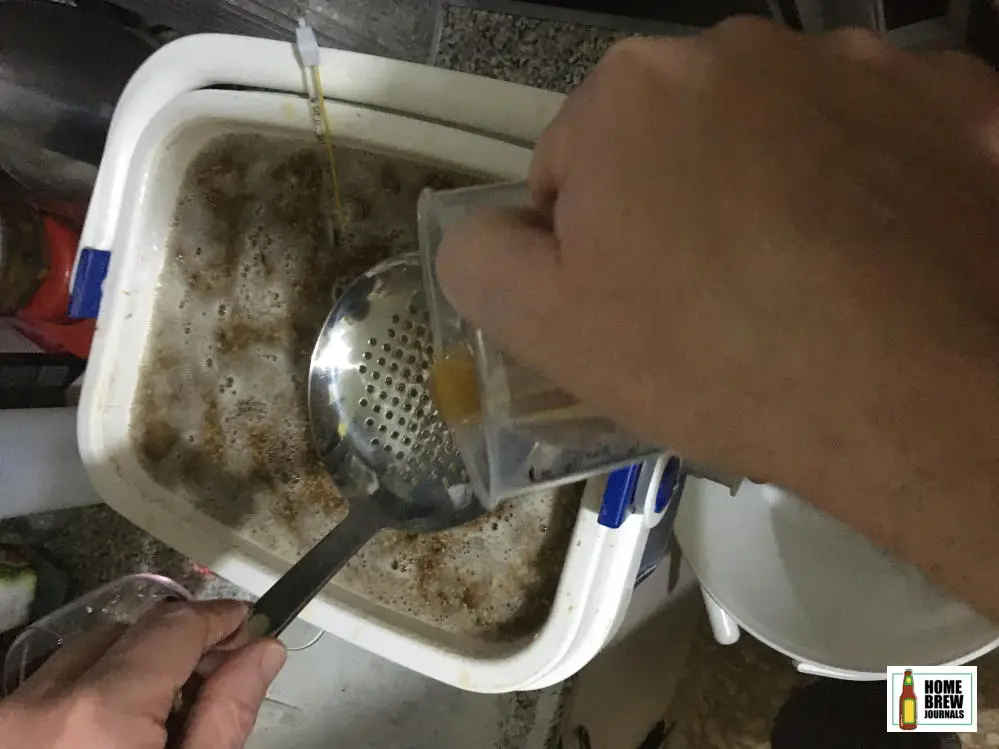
{"x":162,"y":122}
{"x":815,"y":590}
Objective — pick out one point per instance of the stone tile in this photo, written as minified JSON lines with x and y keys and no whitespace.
{"x":546,"y":54}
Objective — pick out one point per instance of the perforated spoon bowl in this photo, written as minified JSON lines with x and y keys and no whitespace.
{"x":377,"y":431}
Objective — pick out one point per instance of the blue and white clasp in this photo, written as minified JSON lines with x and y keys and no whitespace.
{"x":647,"y":488}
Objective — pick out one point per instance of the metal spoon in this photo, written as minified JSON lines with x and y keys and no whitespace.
{"x":377,"y":431}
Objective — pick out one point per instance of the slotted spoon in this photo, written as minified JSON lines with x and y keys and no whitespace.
{"x":377,"y":431}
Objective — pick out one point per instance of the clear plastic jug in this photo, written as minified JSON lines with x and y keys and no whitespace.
{"x":515,"y":430}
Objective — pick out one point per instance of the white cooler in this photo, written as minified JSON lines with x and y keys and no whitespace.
{"x":167,"y":114}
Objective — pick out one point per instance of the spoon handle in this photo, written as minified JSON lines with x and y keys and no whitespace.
{"x":279,"y":606}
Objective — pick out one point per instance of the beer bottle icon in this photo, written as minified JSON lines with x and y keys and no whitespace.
{"x":907,"y":703}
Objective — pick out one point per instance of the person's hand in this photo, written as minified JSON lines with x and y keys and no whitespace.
{"x":778,"y":255}
{"x":115,"y":687}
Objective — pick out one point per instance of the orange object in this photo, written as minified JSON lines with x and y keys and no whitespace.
{"x":454,"y":386}
{"x":51,"y":301}
{"x":907,"y":706}
{"x":45,"y":318}
{"x":73,"y":337}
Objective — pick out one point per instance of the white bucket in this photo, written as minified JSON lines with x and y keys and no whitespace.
{"x":817,"y":591}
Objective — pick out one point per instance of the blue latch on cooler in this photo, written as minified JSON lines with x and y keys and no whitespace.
{"x":88,"y":284}
{"x":627,"y":489}
{"x":619,"y":495}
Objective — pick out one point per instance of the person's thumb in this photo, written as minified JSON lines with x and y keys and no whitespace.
{"x":500,"y":270}
{"x":227,"y":706}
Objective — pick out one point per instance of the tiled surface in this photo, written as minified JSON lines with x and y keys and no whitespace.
{"x":729,"y":695}
{"x":95,"y":545}
{"x":546,"y":54}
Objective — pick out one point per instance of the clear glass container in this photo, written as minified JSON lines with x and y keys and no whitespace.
{"x":122,"y":601}
{"x":515,"y":430}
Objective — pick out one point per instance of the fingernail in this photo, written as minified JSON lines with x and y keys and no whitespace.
{"x":272,"y":660}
